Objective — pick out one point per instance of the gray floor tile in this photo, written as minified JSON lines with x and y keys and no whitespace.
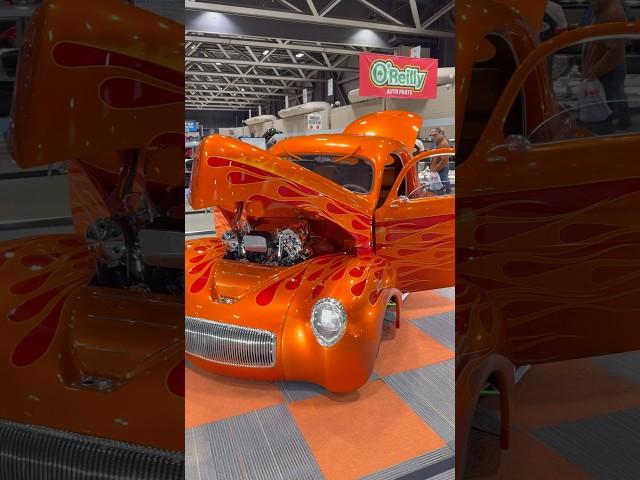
{"x":439,"y":327}
{"x":450,"y":292}
{"x":296,"y":391}
{"x":625,"y":365}
{"x":430,"y":392}
{"x":262,"y":445}
{"x":606,"y":447}
{"x":428,"y":466}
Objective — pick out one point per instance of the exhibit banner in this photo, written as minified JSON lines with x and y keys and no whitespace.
{"x":314,"y":121}
{"x":398,"y":77}
{"x":191,"y":126}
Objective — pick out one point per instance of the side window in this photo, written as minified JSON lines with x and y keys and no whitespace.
{"x":389,"y":175}
{"x":595,"y":89}
{"x":490,"y":75}
{"x":437,"y":177}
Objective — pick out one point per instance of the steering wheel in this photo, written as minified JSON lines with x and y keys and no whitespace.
{"x":355,"y":188}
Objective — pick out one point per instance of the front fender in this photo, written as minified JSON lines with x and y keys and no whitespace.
{"x":469,"y":382}
{"x":363,"y":285}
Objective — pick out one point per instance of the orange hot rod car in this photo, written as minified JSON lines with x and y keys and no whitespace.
{"x":324,"y":231}
{"x":94,"y":319}
{"x":547,"y":230}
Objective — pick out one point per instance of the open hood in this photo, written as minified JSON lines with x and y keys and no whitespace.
{"x":227,"y":172}
{"x":394,"y":124}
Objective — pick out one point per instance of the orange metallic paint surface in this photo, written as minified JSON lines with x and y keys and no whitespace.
{"x":417,"y":236}
{"x":280,"y":299}
{"x":398,"y":125}
{"x":51,"y":342}
{"x":543,"y":270}
{"x":84,"y":75}
{"x":72,"y":104}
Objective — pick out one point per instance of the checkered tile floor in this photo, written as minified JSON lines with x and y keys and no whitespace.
{"x":399,"y":423}
{"x":574,"y":420}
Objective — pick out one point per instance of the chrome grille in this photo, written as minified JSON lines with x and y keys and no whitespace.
{"x":230,"y":344}
{"x":30,"y":452}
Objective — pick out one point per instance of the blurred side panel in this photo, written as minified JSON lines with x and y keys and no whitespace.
{"x":547,"y":238}
{"x":91,"y":244}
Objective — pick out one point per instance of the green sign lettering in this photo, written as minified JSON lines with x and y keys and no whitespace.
{"x":384,"y":73}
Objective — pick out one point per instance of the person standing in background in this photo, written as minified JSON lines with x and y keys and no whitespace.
{"x":441,"y":164}
{"x":605,"y":60}
{"x":554,"y":21}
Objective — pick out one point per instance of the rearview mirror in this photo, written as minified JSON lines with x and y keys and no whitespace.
{"x":517,"y":143}
{"x":513,"y":144}
{"x":398,"y":201}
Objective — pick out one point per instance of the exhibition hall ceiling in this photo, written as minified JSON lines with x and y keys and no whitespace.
{"x":294,"y":44}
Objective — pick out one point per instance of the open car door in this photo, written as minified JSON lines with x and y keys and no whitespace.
{"x":548,"y":228}
{"x":415,"y":230}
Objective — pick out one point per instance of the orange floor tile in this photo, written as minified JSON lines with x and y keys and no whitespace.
{"x":562,"y":392}
{"x":549,"y":396}
{"x":406,"y":348}
{"x":377,"y":428}
{"x":211,"y":397}
{"x":423,"y":304}
{"x":362,"y":433}
{"x":526,"y":459}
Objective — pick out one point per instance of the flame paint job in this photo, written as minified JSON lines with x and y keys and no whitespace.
{"x":60,"y":330}
{"x":78,"y":344}
{"x":113,"y":42}
{"x":417,"y":236}
{"x":545,"y":237}
{"x":363,"y":279}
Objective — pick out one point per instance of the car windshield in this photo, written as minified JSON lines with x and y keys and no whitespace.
{"x":353,"y":173}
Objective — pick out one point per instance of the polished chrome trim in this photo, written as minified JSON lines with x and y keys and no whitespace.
{"x":31,"y":452}
{"x":343,"y":314}
{"x":229,"y":344}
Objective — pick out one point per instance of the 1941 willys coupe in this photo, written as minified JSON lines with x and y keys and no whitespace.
{"x":325,"y":231}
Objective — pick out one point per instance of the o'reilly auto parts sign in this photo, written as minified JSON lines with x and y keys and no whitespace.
{"x":398,"y":77}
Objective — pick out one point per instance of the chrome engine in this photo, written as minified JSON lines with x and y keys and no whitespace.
{"x":282,"y":246}
{"x":138,"y":255}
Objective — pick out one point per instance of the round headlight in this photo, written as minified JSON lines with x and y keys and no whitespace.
{"x":328,"y":320}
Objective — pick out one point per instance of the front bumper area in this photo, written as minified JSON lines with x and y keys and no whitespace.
{"x":266,"y":333}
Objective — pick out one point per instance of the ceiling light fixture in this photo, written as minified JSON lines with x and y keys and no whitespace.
{"x":299,"y":55}
{"x":264,"y":52}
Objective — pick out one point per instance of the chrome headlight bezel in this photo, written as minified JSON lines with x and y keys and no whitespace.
{"x":338,"y":308}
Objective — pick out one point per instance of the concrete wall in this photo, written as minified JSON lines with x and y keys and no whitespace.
{"x":259,"y":129}
{"x":439,"y":112}
{"x":343,"y":116}
{"x":298,"y":125}
{"x":234,"y":131}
